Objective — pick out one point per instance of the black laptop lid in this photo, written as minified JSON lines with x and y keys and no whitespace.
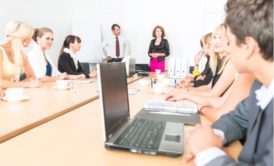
{"x":114,"y":93}
{"x":142,"y":67}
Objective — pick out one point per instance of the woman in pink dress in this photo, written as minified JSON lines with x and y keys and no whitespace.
{"x":158,"y":49}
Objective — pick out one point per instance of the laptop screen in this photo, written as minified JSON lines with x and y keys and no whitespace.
{"x":114,"y":95}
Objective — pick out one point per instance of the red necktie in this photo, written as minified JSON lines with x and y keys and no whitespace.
{"x":117,"y":47}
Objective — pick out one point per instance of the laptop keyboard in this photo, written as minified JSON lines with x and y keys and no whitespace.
{"x":142,"y":133}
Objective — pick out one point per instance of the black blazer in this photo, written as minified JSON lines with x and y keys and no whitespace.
{"x":66,"y":64}
{"x":207,"y":72}
{"x":163,"y":47}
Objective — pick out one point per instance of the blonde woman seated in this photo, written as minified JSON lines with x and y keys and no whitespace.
{"x":223,"y":74}
{"x":40,"y":60}
{"x":13,"y":59}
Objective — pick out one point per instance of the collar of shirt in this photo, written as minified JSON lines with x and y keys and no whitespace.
{"x":116,"y":36}
{"x":73,"y":56}
{"x":120,"y":38}
{"x":66,"y":50}
{"x":264,"y":95}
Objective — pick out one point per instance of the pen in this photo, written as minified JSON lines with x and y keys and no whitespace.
{"x":175,"y":82}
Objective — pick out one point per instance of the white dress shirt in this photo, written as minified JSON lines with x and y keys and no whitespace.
{"x":109,"y":47}
{"x":38,"y":63}
{"x":202,"y":63}
{"x":264,"y":96}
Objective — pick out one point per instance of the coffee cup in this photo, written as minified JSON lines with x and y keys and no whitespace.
{"x":61,"y":84}
{"x":14,"y":93}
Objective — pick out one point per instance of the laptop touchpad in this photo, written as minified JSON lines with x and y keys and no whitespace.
{"x":174,"y":138}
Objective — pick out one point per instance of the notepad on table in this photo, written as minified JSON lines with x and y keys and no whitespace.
{"x":168,"y":106}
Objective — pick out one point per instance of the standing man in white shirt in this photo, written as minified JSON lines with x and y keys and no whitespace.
{"x":249,"y":29}
{"x":116,"y":47}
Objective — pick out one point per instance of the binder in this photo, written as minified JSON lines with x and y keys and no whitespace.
{"x":184,"y":67}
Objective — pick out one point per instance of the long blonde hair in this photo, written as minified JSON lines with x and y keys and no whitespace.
{"x":16,"y":31}
{"x":214,"y":57}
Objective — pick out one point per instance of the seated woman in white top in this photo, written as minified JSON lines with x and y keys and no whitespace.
{"x":41,"y":62}
{"x":13,"y":59}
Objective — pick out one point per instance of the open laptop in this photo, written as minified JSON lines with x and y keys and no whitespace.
{"x":142,"y":69}
{"x":140,"y":134}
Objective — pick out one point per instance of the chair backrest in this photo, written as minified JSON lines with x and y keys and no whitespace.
{"x":86,"y":68}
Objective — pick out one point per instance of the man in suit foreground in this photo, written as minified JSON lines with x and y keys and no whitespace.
{"x":249,"y":29}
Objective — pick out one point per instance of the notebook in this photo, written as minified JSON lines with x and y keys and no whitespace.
{"x":168,"y":106}
{"x":187,"y":111}
{"x":140,"y":134}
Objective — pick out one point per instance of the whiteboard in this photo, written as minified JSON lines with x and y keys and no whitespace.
{"x":91,"y":37}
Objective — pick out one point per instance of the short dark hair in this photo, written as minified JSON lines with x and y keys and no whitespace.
{"x":115,"y":25}
{"x":158,"y":27}
{"x":252,"y":18}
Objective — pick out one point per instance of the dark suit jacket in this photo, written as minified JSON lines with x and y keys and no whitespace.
{"x":249,"y":121}
{"x":66,"y":64}
{"x":207,"y":72}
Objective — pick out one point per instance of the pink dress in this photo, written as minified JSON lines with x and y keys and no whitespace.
{"x":159,"y":62}
{"x":155,"y":64}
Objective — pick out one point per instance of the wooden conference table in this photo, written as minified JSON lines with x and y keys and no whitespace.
{"x":44,"y":104}
{"x":76,"y":138}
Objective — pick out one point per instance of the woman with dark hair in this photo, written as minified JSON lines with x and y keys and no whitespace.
{"x":158,"y":49}
{"x":68,"y":61}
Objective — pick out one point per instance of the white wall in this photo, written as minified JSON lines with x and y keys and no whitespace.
{"x":51,"y":13}
{"x":184,"y":21}
{"x":213,"y":14}
{"x":183,"y":27}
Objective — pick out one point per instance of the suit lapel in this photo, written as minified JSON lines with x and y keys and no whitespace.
{"x":253,"y":133}
{"x":254,"y":118}
{"x":72,"y":63}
